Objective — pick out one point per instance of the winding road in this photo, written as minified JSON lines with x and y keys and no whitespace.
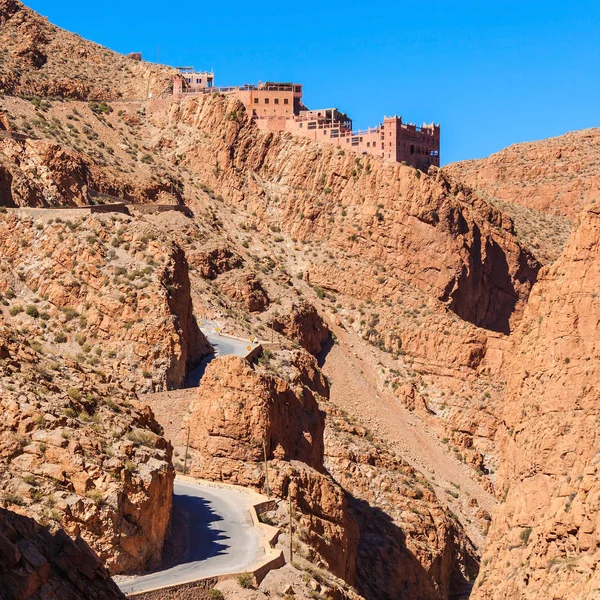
{"x":214,"y":528}
{"x":223,"y":346}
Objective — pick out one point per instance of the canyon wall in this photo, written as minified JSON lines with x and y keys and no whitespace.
{"x":422,"y":229}
{"x":543,"y":542}
{"x":364,"y":514}
{"x":79,"y":452}
{"x":36,"y":564}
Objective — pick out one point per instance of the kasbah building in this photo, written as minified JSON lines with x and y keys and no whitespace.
{"x":279,"y":107}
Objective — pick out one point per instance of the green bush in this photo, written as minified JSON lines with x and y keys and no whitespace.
{"x":74,"y":393}
{"x":33,"y":311}
{"x":215,"y":594}
{"x":525,"y":535}
{"x":141,"y":438}
{"x":245,"y":580}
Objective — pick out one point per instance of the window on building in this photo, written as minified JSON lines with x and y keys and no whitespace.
{"x":368,"y":144}
{"x":255,"y":100}
{"x":286,"y":101}
{"x":300,"y":125}
{"x":266,"y":101}
{"x":198,"y":80}
{"x":412,"y":148}
{"x":276,"y":100}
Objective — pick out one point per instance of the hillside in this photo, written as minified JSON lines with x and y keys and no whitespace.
{"x":541,"y":185}
{"x":389,"y":303}
{"x":41,"y":60}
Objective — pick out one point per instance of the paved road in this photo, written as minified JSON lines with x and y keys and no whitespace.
{"x":219,"y":537}
{"x":223,"y":346}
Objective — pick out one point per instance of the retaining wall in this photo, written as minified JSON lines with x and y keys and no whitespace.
{"x":199,"y":589}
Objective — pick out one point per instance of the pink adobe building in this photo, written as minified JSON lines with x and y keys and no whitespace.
{"x":278,"y":107}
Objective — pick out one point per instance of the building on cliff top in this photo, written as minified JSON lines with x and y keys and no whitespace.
{"x":193,"y":81}
{"x":277,"y":106}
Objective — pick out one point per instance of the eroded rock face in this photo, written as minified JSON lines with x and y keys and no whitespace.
{"x":364,"y":513}
{"x":303,"y":324}
{"x":48,"y":173}
{"x":38,"y":565}
{"x":543,"y":542}
{"x":557,"y":175}
{"x":237,"y":409}
{"x":213,"y":262}
{"x":246,"y":289}
{"x":408,"y":542}
{"x":422,"y":229}
{"x":110,"y":290}
{"x":81,"y":453}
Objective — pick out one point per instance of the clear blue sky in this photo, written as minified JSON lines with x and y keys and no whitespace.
{"x":492,"y":73}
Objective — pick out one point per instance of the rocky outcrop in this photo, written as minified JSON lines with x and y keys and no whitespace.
{"x":543,"y":542}
{"x":49,"y":173}
{"x":37,"y":565}
{"x":407,"y":540}
{"x":212,"y":263}
{"x":246,"y":289}
{"x":193,"y":344}
{"x":113,"y":292}
{"x":364,"y":513}
{"x":303,"y":324}
{"x":79,"y":452}
{"x":237,"y":410}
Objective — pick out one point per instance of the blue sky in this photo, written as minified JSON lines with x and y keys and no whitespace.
{"x":492,"y":73}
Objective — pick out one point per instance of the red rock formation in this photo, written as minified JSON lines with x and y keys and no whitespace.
{"x":37,"y":565}
{"x":303,"y":324}
{"x":135,"y":310}
{"x":213,"y":262}
{"x":78,"y":451}
{"x":544,"y":542}
{"x":237,"y":409}
{"x":557,"y":175}
{"x":424,"y":230}
{"x":90,"y":73}
{"x":246,"y":289}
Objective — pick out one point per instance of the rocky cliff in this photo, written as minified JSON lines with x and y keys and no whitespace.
{"x":78,"y":452}
{"x":543,"y":542}
{"x":36,"y":564}
{"x":541,"y":185}
{"x":227,"y":427}
{"x":364,"y":513}
{"x":419,"y":229}
{"x":558,"y":175}
{"x":109,"y":291}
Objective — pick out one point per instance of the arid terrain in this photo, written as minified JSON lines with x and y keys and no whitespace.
{"x":424,"y":391}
